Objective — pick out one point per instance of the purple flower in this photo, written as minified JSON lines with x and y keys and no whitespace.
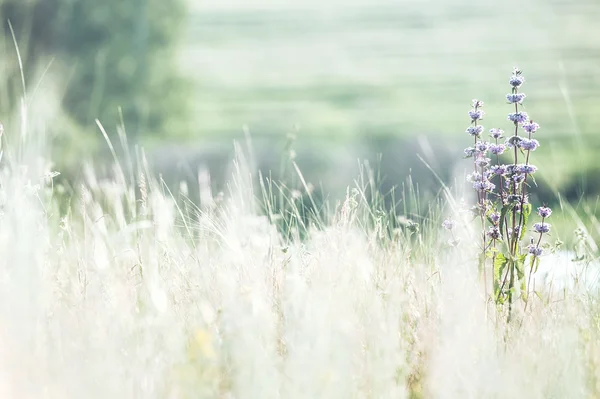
{"x":497,"y":149}
{"x":541,"y":227}
{"x":479,"y":185}
{"x":482,"y":161}
{"x":518,"y":178}
{"x":495,"y":217}
{"x":481,"y":146}
{"x":448,"y":224}
{"x":475,"y":130}
{"x":483,"y":185}
{"x":529,"y":144}
{"x":518,"y":204}
{"x":515,"y":232}
{"x":530,"y":127}
{"x":511,"y":169}
{"x":496,"y":133}
{"x":544,"y":212}
{"x":476,"y":114}
{"x":515,"y":98}
{"x":535,"y":250}
{"x":516,"y":80}
{"x":526,"y":169}
{"x":494,"y":233}
{"x":469,"y":152}
{"x":512,"y":141}
{"x":498,"y":170}
{"x":475,"y":176}
{"x":518,"y":117}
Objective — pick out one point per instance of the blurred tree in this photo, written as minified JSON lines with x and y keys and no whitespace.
{"x":109,"y":54}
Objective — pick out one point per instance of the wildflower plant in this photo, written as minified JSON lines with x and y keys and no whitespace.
{"x":502,"y":194}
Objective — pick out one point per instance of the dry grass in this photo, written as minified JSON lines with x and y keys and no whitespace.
{"x":140,"y":295}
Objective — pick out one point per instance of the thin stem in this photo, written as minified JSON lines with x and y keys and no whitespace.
{"x":513,"y":246}
{"x":524,"y":184}
{"x":481,"y":205}
{"x":514,"y":238}
{"x":532,"y":264}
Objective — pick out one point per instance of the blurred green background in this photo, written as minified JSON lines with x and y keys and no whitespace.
{"x":351,"y":79}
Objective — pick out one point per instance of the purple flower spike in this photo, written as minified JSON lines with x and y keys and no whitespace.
{"x":498,"y":170}
{"x":512,"y":141}
{"x":495,"y":217}
{"x":483,"y":185}
{"x":526,"y":169}
{"x":530,"y":127}
{"x":479,"y":185}
{"x":481,"y":146}
{"x":544,"y":212}
{"x":529,"y":144}
{"x":469,"y":152}
{"x":518,"y":117}
{"x":518,"y":178}
{"x":475,"y":176}
{"x":511,"y":169}
{"x":535,"y":250}
{"x":542,"y":227}
{"x":516,"y":232}
{"x":516,"y":80}
{"x":494,"y":233}
{"x":496,"y":133}
{"x":497,"y":149}
{"x":475,"y":130}
{"x":482,"y":161}
{"x":476,"y":114}
{"x":515,"y":98}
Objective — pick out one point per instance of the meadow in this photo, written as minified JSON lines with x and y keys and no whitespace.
{"x":118,"y":288}
{"x":248,"y":279}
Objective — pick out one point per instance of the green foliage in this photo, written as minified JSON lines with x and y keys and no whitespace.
{"x":526,"y":213}
{"x":107,"y":54}
{"x":534,"y":263}
{"x":500,"y":262}
{"x":505,"y":209}
{"x":520,"y":269}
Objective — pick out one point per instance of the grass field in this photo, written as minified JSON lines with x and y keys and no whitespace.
{"x":118,"y":285}
{"x":129,"y":292}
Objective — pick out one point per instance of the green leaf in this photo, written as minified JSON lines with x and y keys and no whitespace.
{"x":503,"y":213}
{"x":520,"y":265}
{"x":520,"y":269}
{"x":526,"y":213}
{"x":490,"y":253}
{"x":499,"y":265}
